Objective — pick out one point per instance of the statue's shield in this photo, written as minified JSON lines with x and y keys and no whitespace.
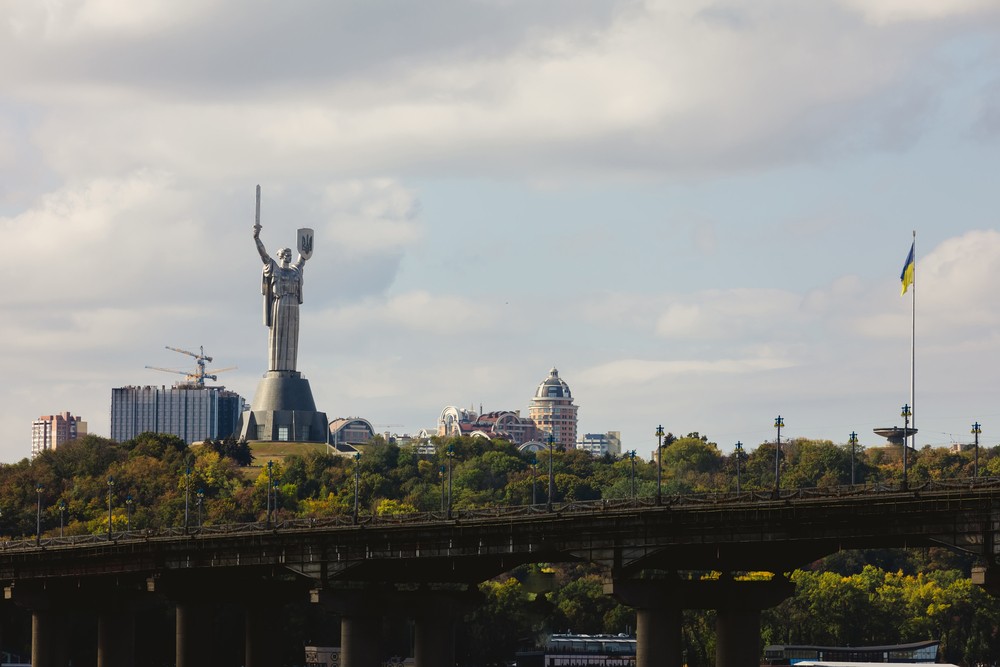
{"x":306,"y":242}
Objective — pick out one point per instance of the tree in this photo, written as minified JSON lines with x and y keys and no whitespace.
{"x":229,"y":447}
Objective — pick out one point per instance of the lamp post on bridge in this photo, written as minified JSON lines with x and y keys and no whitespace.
{"x":906,"y":413}
{"x":659,"y":464}
{"x":277,"y":514}
{"x":552,"y":480}
{"x":128,"y":512}
{"x":853,"y":440}
{"x":779,"y":421}
{"x":187,"y":494}
{"x":111,"y":493}
{"x":441,"y":476}
{"x":631,"y":456}
{"x":976,"y":430}
{"x":451,"y":455}
{"x":534,"y":479}
{"x":200,"y":502}
{"x":38,"y":514}
{"x":270,"y":482}
{"x":357,"y":484}
{"x":739,"y":456}
{"x":62,"y":512}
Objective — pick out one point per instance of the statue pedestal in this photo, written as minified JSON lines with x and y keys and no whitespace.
{"x":283,"y":410}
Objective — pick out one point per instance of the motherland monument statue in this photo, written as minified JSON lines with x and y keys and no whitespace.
{"x":283,"y":408}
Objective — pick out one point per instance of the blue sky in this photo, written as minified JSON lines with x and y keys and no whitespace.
{"x":697,"y":211}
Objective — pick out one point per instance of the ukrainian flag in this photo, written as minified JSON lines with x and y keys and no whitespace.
{"x":907,"y":275}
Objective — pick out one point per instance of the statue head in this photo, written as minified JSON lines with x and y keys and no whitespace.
{"x":284,"y":255}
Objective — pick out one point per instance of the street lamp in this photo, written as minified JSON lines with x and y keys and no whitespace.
{"x":38,"y":514}
{"x":128,"y":512}
{"x":906,"y":413}
{"x":778,"y":423}
{"x":111,"y":492}
{"x":739,"y":455}
{"x":659,"y":464}
{"x":854,"y":445}
{"x":552,"y":479}
{"x":631,"y":456}
{"x":62,"y":512}
{"x":277,"y":515}
{"x":270,"y":472}
{"x":357,"y":483}
{"x":976,"y":430}
{"x":187,"y":494}
{"x":441,"y":476}
{"x":451,"y":455}
{"x":201,"y":500}
{"x":534,"y":479}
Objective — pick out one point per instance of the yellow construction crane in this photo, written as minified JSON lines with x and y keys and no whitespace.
{"x":196,"y":379}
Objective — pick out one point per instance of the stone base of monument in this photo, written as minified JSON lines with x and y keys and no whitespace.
{"x":283,"y":410}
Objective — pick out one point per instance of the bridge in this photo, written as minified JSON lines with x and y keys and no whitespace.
{"x":429,"y":565}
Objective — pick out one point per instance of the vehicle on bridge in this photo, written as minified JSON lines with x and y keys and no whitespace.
{"x":581,"y":651}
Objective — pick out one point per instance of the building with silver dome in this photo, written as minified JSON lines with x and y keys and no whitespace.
{"x":553,"y":411}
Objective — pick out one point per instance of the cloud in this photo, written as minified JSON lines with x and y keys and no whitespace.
{"x":645,"y":371}
{"x":416,"y":311}
{"x":730,"y":314}
{"x":577,"y":88}
{"x":882,"y":12}
{"x":372,"y":217}
{"x":955,"y":289}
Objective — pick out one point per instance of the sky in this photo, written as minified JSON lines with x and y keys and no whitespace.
{"x":696,"y":210}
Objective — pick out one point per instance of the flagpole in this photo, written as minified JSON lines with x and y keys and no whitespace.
{"x":913,"y":346}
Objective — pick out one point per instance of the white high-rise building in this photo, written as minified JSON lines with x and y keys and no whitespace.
{"x":553,"y":411}
{"x":50,"y":431}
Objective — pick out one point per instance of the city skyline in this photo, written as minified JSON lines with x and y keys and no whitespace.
{"x":697,"y":211}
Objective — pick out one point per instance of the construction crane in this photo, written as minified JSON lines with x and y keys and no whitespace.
{"x":196,"y":379}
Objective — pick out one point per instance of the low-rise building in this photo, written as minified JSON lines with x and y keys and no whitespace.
{"x":599,"y":444}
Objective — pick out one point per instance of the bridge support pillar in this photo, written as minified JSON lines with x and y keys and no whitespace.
{"x":359,"y":640}
{"x":45,"y":636}
{"x":116,"y":638}
{"x":190,"y":640}
{"x":361,"y":610}
{"x":737,"y":621}
{"x":658,"y":636}
{"x":658,"y":620}
{"x":658,"y":604}
{"x":434,"y":609}
{"x":260,"y":645}
{"x":737,"y":638}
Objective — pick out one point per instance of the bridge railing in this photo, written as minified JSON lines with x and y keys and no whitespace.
{"x":671,"y":501}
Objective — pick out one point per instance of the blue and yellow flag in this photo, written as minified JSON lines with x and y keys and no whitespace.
{"x":907,"y":275}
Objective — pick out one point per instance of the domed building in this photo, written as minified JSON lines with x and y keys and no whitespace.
{"x":553,"y":411}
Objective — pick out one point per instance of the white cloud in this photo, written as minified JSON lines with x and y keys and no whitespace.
{"x":882,"y":12}
{"x":657,"y":88}
{"x":645,"y":371}
{"x":417,"y":311}
{"x":730,"y":314}
{"x":377,"y":216}
{"x":955,"y":290}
